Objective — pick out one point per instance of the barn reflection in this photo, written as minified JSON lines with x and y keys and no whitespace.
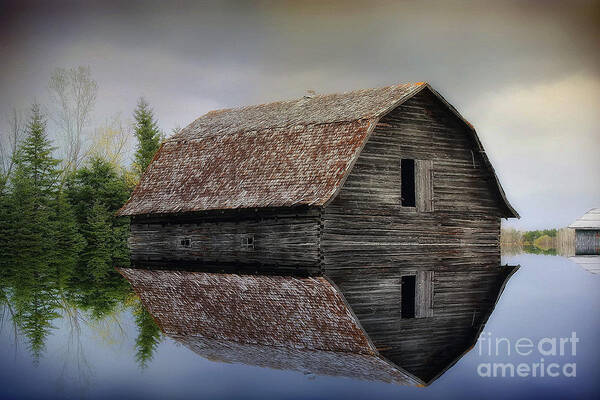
{"x":317,"y":325}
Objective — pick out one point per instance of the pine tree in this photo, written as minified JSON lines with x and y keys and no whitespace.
{"x":147,"y":134}
{"x":96,"y":181}
{"x":98,"y":184}
{"x":34,"y":162}
{"x":34,"y":186}
{"x":98,"y":232}
{"x":67,"y":241}
{"x":5,"y":231}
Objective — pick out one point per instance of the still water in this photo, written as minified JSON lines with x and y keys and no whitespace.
{"x":80,"y":341}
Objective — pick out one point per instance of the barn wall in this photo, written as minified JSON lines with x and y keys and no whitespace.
{"x":457,"y":201}
{"x":587,"y":242}
{"x":283,"y":239}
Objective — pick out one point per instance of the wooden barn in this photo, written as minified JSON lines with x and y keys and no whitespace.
{"x":320,"y":183}
{"x":305,"y":324}
{"x":587,"y":233}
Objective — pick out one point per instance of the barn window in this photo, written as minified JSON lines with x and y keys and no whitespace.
{"x":408,"y":296}
{"x":417,"y":184}
{"x":185,"y":242}
{"x":416,"y":295}
{"x":248,"y":242}
{"x":407,"y":168}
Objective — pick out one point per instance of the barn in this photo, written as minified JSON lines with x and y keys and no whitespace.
{"x":319,"y":183}
{"x":587,"y":233}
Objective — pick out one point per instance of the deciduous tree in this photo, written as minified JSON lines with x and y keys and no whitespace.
{"x":73,"y":92}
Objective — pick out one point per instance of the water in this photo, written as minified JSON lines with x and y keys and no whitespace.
{"x":89,"y":350}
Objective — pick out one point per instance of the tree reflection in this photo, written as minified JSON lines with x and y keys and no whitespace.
{"x":35,"y":293}
{"x":149,"y":336}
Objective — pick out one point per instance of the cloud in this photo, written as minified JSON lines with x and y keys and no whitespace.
{"x":525,"y":74}
{"x":545,"y":141}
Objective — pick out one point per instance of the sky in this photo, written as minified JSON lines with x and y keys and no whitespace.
{"x":525,"y":74}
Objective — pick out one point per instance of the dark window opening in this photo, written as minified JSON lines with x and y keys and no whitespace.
{"x":248,"y":242}
{"x":407,"y":168}
{"x":408,"y":296}
{"x":186,"y":242}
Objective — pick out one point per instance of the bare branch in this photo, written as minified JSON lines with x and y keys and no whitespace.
{"x":73,"y":93}
{"x":111,"y":142}
{"x":9,"y":142}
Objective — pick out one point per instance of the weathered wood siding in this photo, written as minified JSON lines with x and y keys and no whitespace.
{"x":587,"y":242}
{"x":457,"y":203}
{"x":286,"y":239}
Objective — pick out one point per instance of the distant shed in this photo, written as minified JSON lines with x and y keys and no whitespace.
{"x":587,"y":233}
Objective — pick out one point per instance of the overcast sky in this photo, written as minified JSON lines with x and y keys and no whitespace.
{"x":527,"y":75}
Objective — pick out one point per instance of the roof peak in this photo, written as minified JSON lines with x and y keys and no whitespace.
{"x":346,"y":106}
{"x":313,"y":95}
{"x":589,"y":220}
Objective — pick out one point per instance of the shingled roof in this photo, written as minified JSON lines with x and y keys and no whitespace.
{"x":281,"y":322}
{"x":282,"y":154}
{"x":590,"y":220}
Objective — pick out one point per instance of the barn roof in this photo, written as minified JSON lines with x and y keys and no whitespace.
{"x":282,"y":154}
{"x":590,"y":220}
{"x":281,"y":322}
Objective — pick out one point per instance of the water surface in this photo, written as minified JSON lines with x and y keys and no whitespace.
{"x":93,"y":340}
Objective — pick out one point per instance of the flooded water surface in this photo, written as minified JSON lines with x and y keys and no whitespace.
{"x":94,"y":338}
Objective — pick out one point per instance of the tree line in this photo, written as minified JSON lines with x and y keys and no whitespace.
{"x":546,"y":241}
{"x":60,"y":239}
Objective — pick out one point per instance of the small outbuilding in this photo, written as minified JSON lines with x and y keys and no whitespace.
{"x":587,"y":233}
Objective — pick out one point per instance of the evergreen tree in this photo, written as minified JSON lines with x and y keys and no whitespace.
{"x":67,"y":241}
{"x":34,"y":163}
{"x":95,"y":185}
{"x":5,"y":231}
{"x":34,"y":187}
{"x":100,"y":242}
{"x":147,"y":134}
{"x":96,"y":182}
{"x":96,"y":192}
